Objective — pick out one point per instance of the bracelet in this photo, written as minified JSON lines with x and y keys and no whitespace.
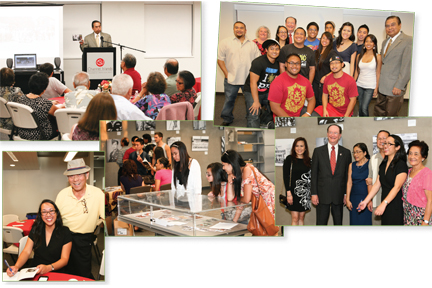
{"x":52,"y":269}
{"x":308,"y":114}
{"x":426,"y":221}
{"x":385,"y":201}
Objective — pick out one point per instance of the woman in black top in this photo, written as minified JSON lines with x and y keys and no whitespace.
{"x":322,"y":57}
{"x":297,"y":179}
{"x":50,"y":240}
{"x":393,"y":172}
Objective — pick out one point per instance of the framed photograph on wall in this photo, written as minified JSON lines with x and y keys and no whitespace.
{"x":173,"y":125}
{"x":145,"y":125}
{"x":114,"y":126}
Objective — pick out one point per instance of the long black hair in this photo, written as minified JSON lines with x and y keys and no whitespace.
{"x":400,"y":154}
{"x":219,"y":176}
{"x":339,"y":38}
{"x":39,"y":225}
{"x":306,"y":157}
{"x":319,"y":59}
{"x":363,"y":148}
{"x":277,"y":32}
{"x":181,"y":168}
{"x":236,"y":161}
{"x":375,"y":49}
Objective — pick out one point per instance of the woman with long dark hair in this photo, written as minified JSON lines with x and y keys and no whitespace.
{"x":297,"y":179}
{"x":346,"y":48}
{"x":357,"y":190}
{"x":186,"y":171}
{"x":282,"y":36}
{"x":242,"y":176}
{"x":322,"y":59}
{"x":367,"y":73}
{"x":50,"y":240}
{"x":130,"y":177}
{"x":101,"y":107}
{"x":218,"y":180}
{"x":392,"y":175}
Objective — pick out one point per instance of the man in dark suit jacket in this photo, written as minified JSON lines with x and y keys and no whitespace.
{"x":396,"y":52}
{"x":329,"y":187}
{"x":92,"y":39}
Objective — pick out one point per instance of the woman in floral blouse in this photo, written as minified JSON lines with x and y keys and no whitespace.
{"x":185,"y":82}
{"x":153,"y":103}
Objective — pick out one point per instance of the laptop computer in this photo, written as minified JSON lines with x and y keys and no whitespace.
{"x":25,"y":62}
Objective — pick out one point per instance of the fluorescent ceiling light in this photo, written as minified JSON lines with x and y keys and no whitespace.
{"x":69,"y":156}
{"x":12,"y":156}
{"x":12,"y":165}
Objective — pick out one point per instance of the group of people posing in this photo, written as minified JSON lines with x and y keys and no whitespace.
{"x":301,"y":74}
{"x":329,"y":180}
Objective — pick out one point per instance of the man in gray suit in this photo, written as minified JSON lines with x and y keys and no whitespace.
{"x":94,"y":39}
{"x":396,"y":69}
{"x":329,"y":173}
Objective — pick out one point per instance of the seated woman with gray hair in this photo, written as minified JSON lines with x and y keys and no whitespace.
{"x":156,"y":99}
{"x":185,"y":82}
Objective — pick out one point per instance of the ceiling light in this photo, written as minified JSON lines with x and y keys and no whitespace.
{"x":69,"y":156}
{"x":12,"y":156}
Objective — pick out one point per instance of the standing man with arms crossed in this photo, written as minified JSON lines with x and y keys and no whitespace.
{"x":330,"y":164}
{"x":94,"y":39}
{"x":395,"y":74}
{"x":81,"y":206}
{"x":235,"y":55}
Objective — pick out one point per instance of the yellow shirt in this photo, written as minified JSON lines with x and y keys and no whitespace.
{"x":80,"y":218}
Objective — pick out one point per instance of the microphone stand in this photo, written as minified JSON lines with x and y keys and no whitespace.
{"x":121,"y":48}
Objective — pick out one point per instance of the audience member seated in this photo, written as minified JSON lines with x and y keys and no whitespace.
{"x":81,"y":97}
{"x":50,"y":240}
{"x":185,"y":82}
{"x":156,"y":98}
{"x":171,"y":68}
{"x":121,"y":93}
{"x":55,"y":87}
{"x":163,"y":173}
{"x":9,"y":93}
{"x":128,"y":66}
{"x":130,"y":177}
{"x":101,"y":107}
{"x":43,"y":109}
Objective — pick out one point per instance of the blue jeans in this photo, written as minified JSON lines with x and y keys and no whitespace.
{"x":253,"y":120}
{"x":364,"y":98}
{"x":230,"y":97}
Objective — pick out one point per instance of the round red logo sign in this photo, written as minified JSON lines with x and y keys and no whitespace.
{"x":100,"y":62}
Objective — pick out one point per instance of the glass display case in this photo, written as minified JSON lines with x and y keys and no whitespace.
{"x":174,"y":213}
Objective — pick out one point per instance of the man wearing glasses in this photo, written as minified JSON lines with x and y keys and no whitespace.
{"x":81,"y":205}
{"x":289,"y":91}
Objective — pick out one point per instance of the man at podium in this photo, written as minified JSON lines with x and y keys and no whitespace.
{"x":95,"y":39}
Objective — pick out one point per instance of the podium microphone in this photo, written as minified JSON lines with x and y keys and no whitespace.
{"x":101,"y":37}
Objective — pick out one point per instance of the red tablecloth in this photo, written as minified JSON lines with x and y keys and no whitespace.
{"x":61,"y":100}
{"x":54,"y":276}
{"x":26,"y":227}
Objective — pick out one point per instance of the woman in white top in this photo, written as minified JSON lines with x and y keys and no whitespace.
{"x":367,"y":74}
{"x":186,"y":171}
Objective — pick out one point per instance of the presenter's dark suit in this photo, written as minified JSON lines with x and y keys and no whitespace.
{"x":329,"y":188}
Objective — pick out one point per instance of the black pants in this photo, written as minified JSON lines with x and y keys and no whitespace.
{"x":81,"y":255}
{"x":323,"y":213}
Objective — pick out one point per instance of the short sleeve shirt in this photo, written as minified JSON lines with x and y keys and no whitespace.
{"x":306,"y":54}
{"x":290,"y":93}
{"x":340,"y":91}
{"x":266,"y":71}
{"x":55,"y":88}
{"x":41,"y":107}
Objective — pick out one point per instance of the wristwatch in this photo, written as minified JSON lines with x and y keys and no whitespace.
{"x":426,"y":221}
{"x":52,"y":267}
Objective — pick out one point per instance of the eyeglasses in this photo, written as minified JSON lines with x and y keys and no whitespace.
{"x":208,"y":174}
{"x":294,"y":63}
{"x":280,"y":32}
{"x":180,"y":83}
{"x":357,"y":152}
{"x":50,"y":212}
{"x":389,"y":144}
{"x":84,"y":203}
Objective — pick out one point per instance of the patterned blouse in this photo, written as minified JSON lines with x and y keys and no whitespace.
{"x":260,"y":48}
{"x":79,"y":134}
{"x":10,"y":94}
{"x":41,"y":107}
{"x":151,"y":104}
{"x":267,"y":190}
{"x":188,"y":95}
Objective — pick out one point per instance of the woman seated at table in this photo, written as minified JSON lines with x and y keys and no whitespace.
{"x":186,"y":171}
{"x":156,"y":98}
{"x":9,"y":93}
{"x":185,"y":82}
{"x":417,"y":190}
{"x":163,"y":172}
{"x":130,"y":177}
{"x":101,"y":107}
{"x":43,"y":109}
{"x":47,"y":228}
{"x":245,"y":178}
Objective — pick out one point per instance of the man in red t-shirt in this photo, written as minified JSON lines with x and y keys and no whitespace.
{"x":130,"y":150}
{"x":128,"y":64}
{"x":289,"y":91}
{"x":339,"y":92}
